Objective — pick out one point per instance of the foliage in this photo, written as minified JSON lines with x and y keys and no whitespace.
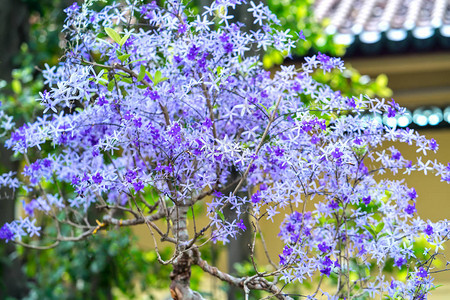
{"x":298,"y":16}
{"x":103,"y":265}
{"x":152,"y":111}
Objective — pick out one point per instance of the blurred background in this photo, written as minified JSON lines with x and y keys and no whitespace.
{"x":392,"y":48}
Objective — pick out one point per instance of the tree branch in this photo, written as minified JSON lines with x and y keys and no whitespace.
{"x":254,"y":283}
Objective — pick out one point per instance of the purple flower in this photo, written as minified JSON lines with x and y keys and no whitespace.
{"x":396,"y":155}
{"x":422,"y":273}
{"x":301,"y":36}
{"x":137,"y":122}
{"x":279,"y":151}
{"x":399,"y":262}
{"x":75,"y":180}
{"x":147,"y":10}
{"x":6,"y":234}
{"x":296,"y":86}
{"x":264,"y":94}
{"x":193,"y":51}
{"x":217,"y":194}
{"x":314,"y":139}
{"x":129,"y":42}
{"x":326,"y":266}
{"x":97,"y":178}
{"x":445,"y":177}
{"x":429,"y":230}
{"x":410,"y":209}
{"x":18,"y":136}
{"x":152,"y":94}
{"x":323,"y":58}
{"x":207,"y":123}
{"x":394,"y":105}
{"x":326,"y":271}
{"x":128,"y":115}
{"x":177,"y":59}
{"x":412,"y":193}
{"x":393,"y":284}
{"x":391,"y":112}
{"x":224,"y":37}
{"x":30,"y":207}
{"x":130,"y":176}
{"x":101,"y":100}
{"x":85,"y":177}
{"x":138,"y":186}
{"x":182,"y":28}
{"x":72,"y":9}
{"x":337,"y":264}
{"x":433,"y":144}
{"x":337,"y":153}
{"x":324,"y":247}
{"x":367,"y":200}
{"x":256,"y":197}
{"x":228,"y":47}
{"x":333,"y":204}
{"x":241,"y":225}
{"x":350,"y":102}
{"x":287,"y":251}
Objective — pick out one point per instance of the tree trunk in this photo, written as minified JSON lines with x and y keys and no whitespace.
{"x":238,"y":249}
{"x":13,"y":32}
{"x":181,"y":274}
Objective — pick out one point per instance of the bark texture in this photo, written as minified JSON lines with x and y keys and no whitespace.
{"x":181,"y":273}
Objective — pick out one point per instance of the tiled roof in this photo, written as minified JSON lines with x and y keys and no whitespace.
{"x":393,"y":25}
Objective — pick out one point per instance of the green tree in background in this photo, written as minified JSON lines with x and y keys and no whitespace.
{"x":298,"y":17}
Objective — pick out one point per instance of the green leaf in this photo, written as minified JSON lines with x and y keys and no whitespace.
{"x":141,"y":73}
{"x":149,"y":75}
{"x":370,"y":229}
{"x":379,"y":228}
{"x":113,"y":34}
{"x":16,"y":86}
{"x":124,"y":39}
{"x":220,"y":214}
{"x":157,"y":79}
{"x":137,"y":60}
{"x":124,"y":57}
{"x":265,"y":108}
{"x":127,"y":80}
{"x":381,"y":81}
{"x":111,"y":85}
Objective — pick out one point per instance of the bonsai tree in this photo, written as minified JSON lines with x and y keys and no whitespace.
{"x":154,"y":111}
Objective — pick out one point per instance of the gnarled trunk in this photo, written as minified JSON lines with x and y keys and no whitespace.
{"x":181,"y":274}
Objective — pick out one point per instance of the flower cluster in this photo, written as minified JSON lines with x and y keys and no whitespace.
{"x":169,"y":111}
